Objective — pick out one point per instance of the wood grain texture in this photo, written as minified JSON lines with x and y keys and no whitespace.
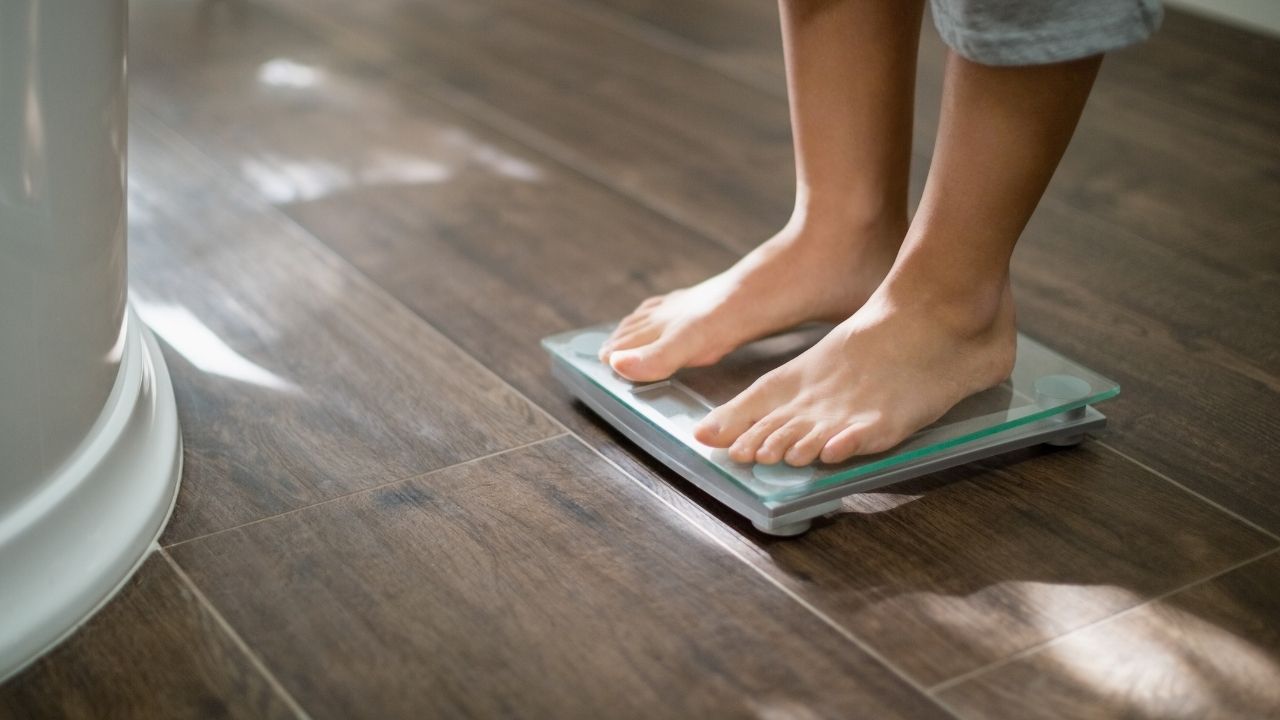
{"x":490,"y":259}
{"x":536,"y":583}
{"x":700,"y":147}
{"x":290,"y":391}
{"x":1187,"y":343}
{"x":1227,"y":76}
{"x":741,"y":38}
{"x":1211,"y":651}
{"x":1170,"y":192}
{"x":968,"y":566}
{"x":414,"y":227}
{"x":153,"y":652}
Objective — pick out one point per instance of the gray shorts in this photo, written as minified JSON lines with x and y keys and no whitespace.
{"x":1031,"y":32}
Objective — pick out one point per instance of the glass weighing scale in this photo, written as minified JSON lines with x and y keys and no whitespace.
{"x":1047,"y":399}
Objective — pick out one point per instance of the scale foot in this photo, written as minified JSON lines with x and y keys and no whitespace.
{"x":789,"y":530}
{"x":1068,"y":441}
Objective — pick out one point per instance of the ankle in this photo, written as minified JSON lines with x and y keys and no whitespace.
{"x":851,"y":212}
{"x":971,"y":309}
{"x":841,"y":226}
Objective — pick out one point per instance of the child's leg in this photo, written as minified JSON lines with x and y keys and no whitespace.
{"x":851,"y":77}
{"x":941,"y":325}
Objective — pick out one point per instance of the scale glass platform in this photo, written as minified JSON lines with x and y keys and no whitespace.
{"x":1047,"y":399}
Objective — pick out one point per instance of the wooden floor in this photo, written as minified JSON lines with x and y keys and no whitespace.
{"x":389,"y":509}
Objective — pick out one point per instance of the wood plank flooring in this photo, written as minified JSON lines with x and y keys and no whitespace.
{"x":373,"y":211}
{"x":538,"y":583}
{"x":525,"y":241}
{"x":1209,"y":651}
{"x":154,"y":651}
{"x":297,"y":380}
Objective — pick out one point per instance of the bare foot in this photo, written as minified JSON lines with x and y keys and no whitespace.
{"x":800,"y":275}
{"x":898,"y":364}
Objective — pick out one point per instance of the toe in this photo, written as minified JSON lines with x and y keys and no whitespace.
{"x":744,"y":449}
{"x":805,"y":450}
{"x":845,"y":444}
{"x":779,"y":443}
{"x":638,"y":335}
{"x":722,"y":426}
{"x":637,"y":317}
{"x":652,"y":361}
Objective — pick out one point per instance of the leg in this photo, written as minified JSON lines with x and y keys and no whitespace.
{"x":850,"y":75}
{"x":941,"y":325}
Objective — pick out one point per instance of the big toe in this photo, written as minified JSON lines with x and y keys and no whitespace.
{"x":635,"y":337}
{"x":650,"y":362}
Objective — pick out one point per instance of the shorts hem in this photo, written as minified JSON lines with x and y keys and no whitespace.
{"x":1043,"y":46}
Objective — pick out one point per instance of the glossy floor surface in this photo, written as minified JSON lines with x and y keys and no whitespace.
{"x":351,"y":222}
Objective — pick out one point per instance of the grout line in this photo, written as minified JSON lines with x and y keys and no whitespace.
{"x":952,"y":682}
{"x":321,"y":248}
{"x":218,"y":169}
{"x":498,"y":121}
{"x":825,"y":618}
{"x":239,"y":642}
{"x":876,"y":656}
{"x":1189,"y":491}
{"x":361,"y":491}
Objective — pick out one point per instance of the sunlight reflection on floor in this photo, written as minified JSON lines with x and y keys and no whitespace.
{"x":283,"y":72}
{"x":437,"y":155}
{"x":192,"y":339}
{"x":1169,"y":663}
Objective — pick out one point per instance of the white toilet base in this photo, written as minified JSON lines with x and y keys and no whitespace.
{"x":67,"y":548}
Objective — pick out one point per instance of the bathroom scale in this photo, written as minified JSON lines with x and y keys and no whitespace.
{"x":1047,"y":399}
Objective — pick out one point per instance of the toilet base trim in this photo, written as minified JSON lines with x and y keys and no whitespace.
{"x":69,"y":548}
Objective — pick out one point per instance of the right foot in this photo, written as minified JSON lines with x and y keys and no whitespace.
{"x":799,"y":275}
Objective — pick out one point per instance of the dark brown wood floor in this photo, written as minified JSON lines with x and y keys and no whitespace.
{"x":381,"y":206}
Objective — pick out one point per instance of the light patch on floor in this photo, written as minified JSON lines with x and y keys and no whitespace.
{"x":286,"y":73}
{"x":201,"y":347}
{"x":1170,"y":663}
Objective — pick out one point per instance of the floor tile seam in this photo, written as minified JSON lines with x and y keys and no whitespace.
{"x":795,"y":597}
{"x":373,"y":488}
{"x":258,"y":664}
{"x":1184,"y":488}
{"x":956,"y":680}
{"x":323,"y":249}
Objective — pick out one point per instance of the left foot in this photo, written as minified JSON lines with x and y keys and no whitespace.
{"x":892,"y":368}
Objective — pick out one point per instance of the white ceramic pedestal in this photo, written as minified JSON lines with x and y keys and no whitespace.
{"x":73,"y":543}
{"x":90,"y":452}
